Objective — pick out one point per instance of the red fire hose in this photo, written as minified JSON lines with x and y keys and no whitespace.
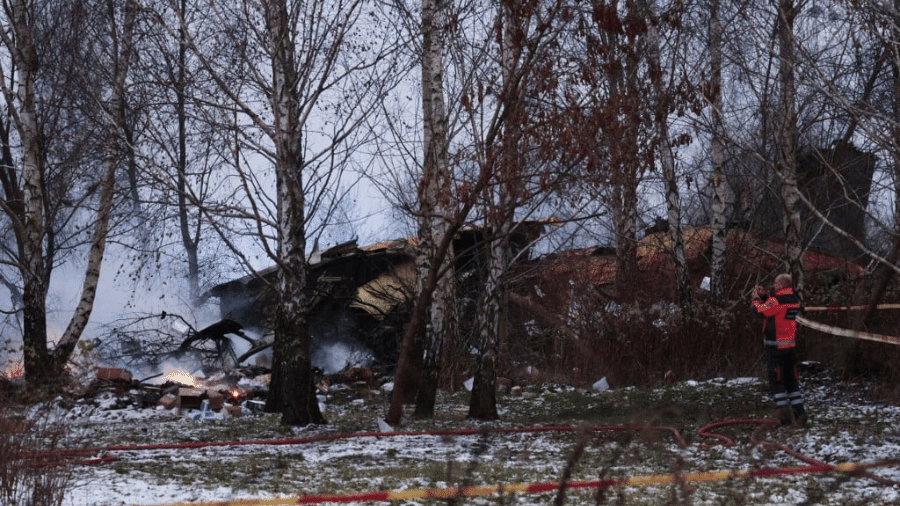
{"x":706,"y":432}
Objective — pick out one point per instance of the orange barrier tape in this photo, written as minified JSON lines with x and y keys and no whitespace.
{"x":453,"y":492}
{"x":855,"y":334}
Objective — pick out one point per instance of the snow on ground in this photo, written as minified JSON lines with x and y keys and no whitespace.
{"x":846,"y":427}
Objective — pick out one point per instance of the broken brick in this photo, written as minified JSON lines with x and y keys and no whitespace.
{"x":168,"y":401}
{"x":216,"y":400}
{"x":113,"y":374}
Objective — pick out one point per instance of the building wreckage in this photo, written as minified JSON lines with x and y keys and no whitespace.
{"x":360,"y":297}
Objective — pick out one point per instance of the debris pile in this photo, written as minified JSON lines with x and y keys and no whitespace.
{"x":204,"y":395}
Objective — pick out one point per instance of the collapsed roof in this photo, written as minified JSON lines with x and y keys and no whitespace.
{"x":749,"y":256}
{"x":361,"y":294}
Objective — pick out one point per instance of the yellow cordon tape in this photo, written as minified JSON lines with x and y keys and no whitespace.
{"x":453,"y":492}
{"x":855,"y":334}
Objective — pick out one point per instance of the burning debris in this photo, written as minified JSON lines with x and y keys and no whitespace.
{"x":360,"y":301}
{"x":184,"y":391}
{"x":202,"y":395}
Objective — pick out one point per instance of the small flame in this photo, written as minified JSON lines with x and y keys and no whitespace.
{"x":184,"y":378}
{"x":14,"y":370}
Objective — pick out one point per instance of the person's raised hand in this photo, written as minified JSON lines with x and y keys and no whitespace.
{"x":758,"y":293}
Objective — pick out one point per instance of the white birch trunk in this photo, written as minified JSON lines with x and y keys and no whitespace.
{"x":787,"y":142}
{"x":717,"y":157}
{"x":625,"y":167}
{"x":293,"y":392}
{"x":483,"y":402}
{"x":625,"y":225}
{"x":667,"y":159}
{"x":116,"y":118}
{"x":29,"y":228}
{"x":434,"y":208}
{"x":500,"y":213}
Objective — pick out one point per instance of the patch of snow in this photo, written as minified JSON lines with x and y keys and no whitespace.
{"x":105,"y":485}
{"x":743,"y":381}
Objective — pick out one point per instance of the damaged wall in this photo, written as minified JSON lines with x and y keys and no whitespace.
{"x":360,"y":296}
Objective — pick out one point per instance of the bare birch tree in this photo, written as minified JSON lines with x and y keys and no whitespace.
{"x":499,"y":211}
{"x":435,"y":206}
{"x":442,"y":205}
{"x":613,"y":125}
{"x":718,"y":182}
{"x":520,"y":153}
{"x":439,"y":215}
{"x":663,"y":102}
{"x":28,"y":202}
{"x":300,"y":78}
{"x":786,"y":142}
{"x":489,"y":100}
{"x":179,"y":136}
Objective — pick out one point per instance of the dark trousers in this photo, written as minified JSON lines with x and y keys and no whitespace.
{"x":784,"y":382}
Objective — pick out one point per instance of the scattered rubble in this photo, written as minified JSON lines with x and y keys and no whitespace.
{"x":204,"y":395}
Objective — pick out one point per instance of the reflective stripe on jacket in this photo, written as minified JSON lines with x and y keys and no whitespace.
{"x":781,"y":311}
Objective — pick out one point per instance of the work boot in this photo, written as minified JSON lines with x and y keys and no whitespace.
{"x":785,"y":416}
{"x":800,"y":417}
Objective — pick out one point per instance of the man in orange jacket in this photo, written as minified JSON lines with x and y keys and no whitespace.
{"x":779,"y":313}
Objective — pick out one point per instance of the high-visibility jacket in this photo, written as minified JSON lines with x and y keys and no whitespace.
{"x":780,"y":312}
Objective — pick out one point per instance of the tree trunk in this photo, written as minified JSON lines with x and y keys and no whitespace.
{"x":190,"y":243}
{"x":483,"y":402}
{"x":786,"y":160}
{"x":661,"y":105}
{"x":717,"y":157}
{"x":293,"y":387}
{"x":29,"y":229}
{"x":625,"y":224}
{"x":434,"y":206}
{"x":408,"y":365}
{"x":500,"y":208}
{"x":117,"y":130}
{"x":295,"y":392}
{"x":626,"y":169}
{"x":441,"y":331}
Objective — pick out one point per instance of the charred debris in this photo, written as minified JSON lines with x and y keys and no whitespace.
{"x":361,"y":298}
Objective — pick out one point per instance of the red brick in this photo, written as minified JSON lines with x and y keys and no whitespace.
{"x":216,"y":400}
{"x":113,"y":374}
{"x":168,"y":401}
